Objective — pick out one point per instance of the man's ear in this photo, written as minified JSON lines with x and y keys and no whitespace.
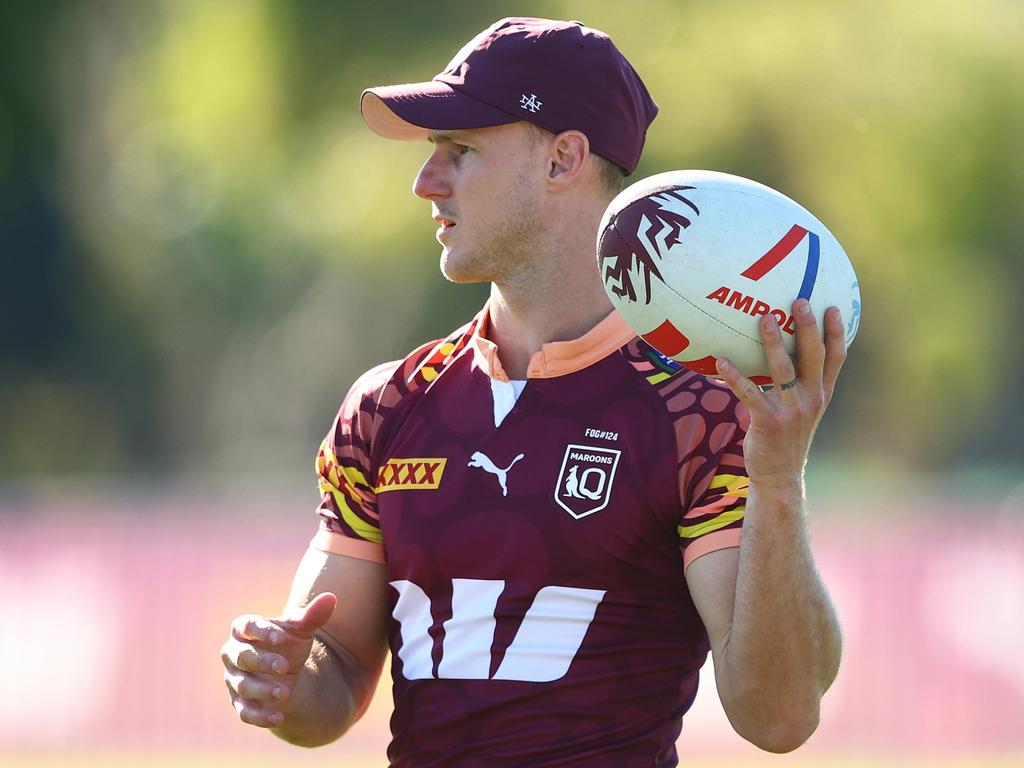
{"x":567,"y":153}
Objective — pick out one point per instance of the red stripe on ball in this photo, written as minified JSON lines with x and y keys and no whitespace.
{"x":705,"y":366}
{"x":667,"y":339}
{"x":776,"y":253}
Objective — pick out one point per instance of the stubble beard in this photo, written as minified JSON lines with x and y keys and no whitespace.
{"x":505,"y":253}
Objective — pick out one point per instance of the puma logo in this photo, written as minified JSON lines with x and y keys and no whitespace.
{"x":481,"y":460}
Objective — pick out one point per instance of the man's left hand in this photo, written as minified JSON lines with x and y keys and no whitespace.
{"x":783,"y":419}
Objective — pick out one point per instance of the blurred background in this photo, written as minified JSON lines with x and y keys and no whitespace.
{"x":202,"y":247}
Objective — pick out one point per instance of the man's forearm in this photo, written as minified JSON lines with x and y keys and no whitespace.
{"x":784,"y":644}
{"x":329,"y":696}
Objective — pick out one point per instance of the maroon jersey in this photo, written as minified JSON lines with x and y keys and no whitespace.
{"x":536,"y":547}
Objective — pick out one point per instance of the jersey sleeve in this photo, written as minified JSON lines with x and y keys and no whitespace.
{"x":345,"y":471}
{"x":349,"y":522}
{"x":712,"y":474}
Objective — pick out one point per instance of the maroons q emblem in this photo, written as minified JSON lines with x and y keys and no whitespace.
{"x":585,"y":481}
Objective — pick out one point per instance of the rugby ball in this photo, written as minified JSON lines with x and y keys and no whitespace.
{"x":693,"y":259}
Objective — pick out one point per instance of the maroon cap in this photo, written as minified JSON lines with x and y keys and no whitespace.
{"x":559,"y":75}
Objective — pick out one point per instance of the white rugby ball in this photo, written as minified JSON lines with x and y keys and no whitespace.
{"x":693,"y":259}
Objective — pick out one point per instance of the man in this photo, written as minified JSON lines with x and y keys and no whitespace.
{"x":540,"y":516}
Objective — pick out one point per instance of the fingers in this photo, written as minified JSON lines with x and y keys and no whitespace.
{"x":291,"y":640}
{"x":810,"y":351}
{"x":780,"y":364}
{"x":255,"y":688}
{"x":817,"y":365}
{"x":236,"y":654}
{"x":257,"y":628}
{"x":747,"y":391}
{"x":254,"y":698}
{"x":835,"y":349}
{"x":261,"y":647}
{"x":253,"y":712}
{"x":307,"y":620}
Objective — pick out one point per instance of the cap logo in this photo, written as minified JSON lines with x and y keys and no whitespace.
{"x":531,"y":103}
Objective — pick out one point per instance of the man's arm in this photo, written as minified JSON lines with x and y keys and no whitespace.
{"x":774,"y":634}
{"x":310,"y":675}
{"x":773,"y":631}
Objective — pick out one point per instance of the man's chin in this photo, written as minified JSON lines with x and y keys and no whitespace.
{"x":456,"y":270}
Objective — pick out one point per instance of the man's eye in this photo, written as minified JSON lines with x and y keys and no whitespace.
{"x":461,"y":149}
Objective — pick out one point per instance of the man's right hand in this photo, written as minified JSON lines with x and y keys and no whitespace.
{"x":263,"y":657}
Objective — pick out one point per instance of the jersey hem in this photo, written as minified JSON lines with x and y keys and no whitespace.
{"x":336,"y":544}
{"x":711,"y":542}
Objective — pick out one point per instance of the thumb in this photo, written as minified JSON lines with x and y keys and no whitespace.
{"x":305,"y":621}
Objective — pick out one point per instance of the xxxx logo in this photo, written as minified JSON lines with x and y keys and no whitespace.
{"x":410,"y":474}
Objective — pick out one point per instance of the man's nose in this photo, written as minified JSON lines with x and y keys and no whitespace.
{"x":432,"y":180}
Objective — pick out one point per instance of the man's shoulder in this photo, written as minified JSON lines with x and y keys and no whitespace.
{"x":390,"y":381}
{"x":685,"y":394}
{"x":662,"y":372}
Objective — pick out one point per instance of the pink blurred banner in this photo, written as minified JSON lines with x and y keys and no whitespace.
{"x":114,"y":613}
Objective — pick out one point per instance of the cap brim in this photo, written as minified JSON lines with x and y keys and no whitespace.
{"x":408,"y":111}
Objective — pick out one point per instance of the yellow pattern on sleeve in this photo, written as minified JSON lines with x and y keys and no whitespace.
{"x":362,"y":528}
{"x":333,"y":478}
{"x":354,"y":476}
{"x":734,"y":485}
{"x":722,"y":520}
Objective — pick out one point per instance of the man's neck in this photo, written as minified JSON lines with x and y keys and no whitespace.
{"x":524,"y":319}
{"x":559,"y":294}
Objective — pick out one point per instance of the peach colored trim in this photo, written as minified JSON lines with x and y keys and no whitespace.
{"x":336,"y":544}
{"x":556,"y":358}
{"x":711,"y":542}
{"x":563,"y":357}
{"x":485,"y":351}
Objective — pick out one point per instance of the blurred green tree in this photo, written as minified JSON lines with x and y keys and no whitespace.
{"x":203,"y":245}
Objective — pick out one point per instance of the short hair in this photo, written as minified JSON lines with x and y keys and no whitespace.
{"x":610,"y":175}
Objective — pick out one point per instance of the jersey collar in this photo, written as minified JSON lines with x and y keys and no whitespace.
{"x":556,"y":358}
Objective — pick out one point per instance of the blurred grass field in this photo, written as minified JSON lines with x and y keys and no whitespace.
{"x":920,"y":685}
